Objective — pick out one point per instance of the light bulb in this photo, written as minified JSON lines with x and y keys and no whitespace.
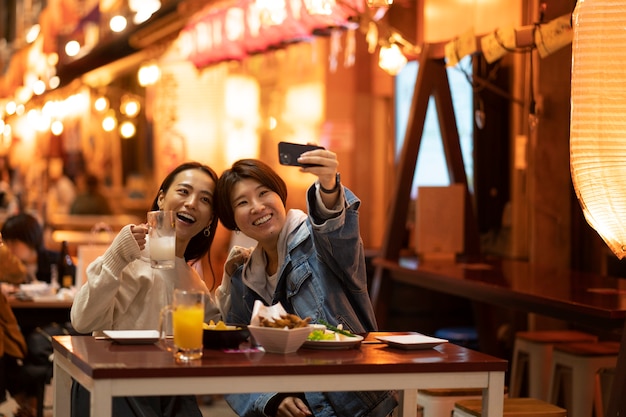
{"x":391,"y":59}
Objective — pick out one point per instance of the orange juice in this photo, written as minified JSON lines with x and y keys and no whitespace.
{"x":187,"y":322}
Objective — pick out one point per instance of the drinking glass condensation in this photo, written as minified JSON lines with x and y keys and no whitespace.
{"x":185,"y":316}
{"x":162,"y":239}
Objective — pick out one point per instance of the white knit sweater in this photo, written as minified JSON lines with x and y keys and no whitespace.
{"x":123,"y":292}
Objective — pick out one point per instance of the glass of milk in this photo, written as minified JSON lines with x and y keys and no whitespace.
{"x":162,"y":238}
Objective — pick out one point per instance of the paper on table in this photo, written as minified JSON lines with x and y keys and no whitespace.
{"x":260,"y":309}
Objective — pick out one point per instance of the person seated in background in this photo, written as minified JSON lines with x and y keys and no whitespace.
{"x":90,"y":199}
{"x":23,"y":235}
{"x":61,"y":189}
{"x":16,"y":377}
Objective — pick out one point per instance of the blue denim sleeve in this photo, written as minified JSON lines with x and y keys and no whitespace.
{"x":249,"y":405}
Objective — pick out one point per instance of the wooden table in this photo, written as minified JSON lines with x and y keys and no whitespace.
{"x":81,"y":237}
{"x":108,"y":370}
{"x":33,"y":313}
{"x":86,"y":221}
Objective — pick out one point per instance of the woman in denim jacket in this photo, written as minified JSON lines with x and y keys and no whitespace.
{"x":313,"y":265}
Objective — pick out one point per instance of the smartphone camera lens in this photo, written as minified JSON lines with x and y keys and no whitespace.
{"x":285,"y":158}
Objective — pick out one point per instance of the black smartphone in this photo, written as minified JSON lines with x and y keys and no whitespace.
{"x":288,"y":153}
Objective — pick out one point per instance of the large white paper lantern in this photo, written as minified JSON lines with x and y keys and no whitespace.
{"x":598,"y":117}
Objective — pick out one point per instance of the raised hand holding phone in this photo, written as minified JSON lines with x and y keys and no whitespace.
{"x":288,"y":153}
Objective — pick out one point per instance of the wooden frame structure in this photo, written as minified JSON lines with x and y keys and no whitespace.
{"x":432,"y":80}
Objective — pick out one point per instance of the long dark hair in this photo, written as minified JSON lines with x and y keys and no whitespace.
{"x":199,"y":245}
{"x":242,"y":169}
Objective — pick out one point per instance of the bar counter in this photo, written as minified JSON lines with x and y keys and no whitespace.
{"x":576,"y":297}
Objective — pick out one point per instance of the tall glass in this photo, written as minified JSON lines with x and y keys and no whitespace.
{"x":185,"y":318}
{"x":162,"y":239}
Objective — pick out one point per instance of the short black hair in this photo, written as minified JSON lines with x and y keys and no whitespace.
{"x":243,"y":169}
{"x":25,"y":228}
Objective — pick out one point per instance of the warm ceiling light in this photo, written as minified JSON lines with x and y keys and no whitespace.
{"x":143,"y":9}
{"x":148,"y":74}
{"x":109,"y":123}
{"x":72,"y":48}
{"x":127,"y":130}
{"x":130,"y":106}
{"x":54,"y":82}
{"x":39,"y":87}
{"x":33,"y":33}
{"x":391,"y":59}
{"x":56,"y":127}
{"x":118,"y":23}
{"x":10,"y":107}
{"x":101,"y":104}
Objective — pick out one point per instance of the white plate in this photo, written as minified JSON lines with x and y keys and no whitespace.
{"x":411,"y":341}
{"x":344,"y":342}
{"x":133,"y":337}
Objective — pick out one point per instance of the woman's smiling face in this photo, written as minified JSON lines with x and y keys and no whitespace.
{"x":191,"y":197}
{"x":259,"y":212}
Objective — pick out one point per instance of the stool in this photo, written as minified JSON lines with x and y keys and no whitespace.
{"x":464,"y":336}
{"x":513,"y":407}
{"x":440,"y":402}
{"x":532,"y":353}
{"x":581,"y":363}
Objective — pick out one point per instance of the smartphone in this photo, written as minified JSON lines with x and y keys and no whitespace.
{"x":288,"y":153}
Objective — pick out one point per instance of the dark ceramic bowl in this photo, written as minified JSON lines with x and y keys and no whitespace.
{"x":229,"y":338}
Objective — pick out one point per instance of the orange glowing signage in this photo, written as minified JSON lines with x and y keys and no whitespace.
{"x":248,"y":26}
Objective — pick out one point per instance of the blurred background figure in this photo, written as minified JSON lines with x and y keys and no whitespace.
{"x":9,"y":199}
{"x":61,"y":189}
{"x":90,"y":199}
{"x":23,"y":235}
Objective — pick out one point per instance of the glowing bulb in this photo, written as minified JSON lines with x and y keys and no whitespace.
{"x":72,"y":48}
{"x":109,"y":123}
{"x":57,"y":127}
{"x":130,"y":106}
{"x":391,"y":59}
{"x":54,"y":82}
{"x":148,"y":74}
{"x":10,"y":107}
{"x":101,"y":104}
{"x":33,"y":33}
{"x":127,"y":130}
{"x":118,"y":23}
{"x":39,"y":87}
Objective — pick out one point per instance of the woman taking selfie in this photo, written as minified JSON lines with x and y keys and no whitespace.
{"x":313,"y":264}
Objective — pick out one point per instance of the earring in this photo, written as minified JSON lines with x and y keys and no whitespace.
{"x":237,"y":231}
{"x":207,"y":232}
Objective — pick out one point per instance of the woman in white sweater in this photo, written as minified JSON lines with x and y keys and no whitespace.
{"x":123,"y":292}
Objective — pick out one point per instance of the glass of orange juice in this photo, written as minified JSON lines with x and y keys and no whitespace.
{"x":186,"y":314}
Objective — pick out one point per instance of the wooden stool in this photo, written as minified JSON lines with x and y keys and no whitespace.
{"x":513,"y":407}
{"x":532,"y":353}
{"x":581,"y":363}
{"x":440,"y":402}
